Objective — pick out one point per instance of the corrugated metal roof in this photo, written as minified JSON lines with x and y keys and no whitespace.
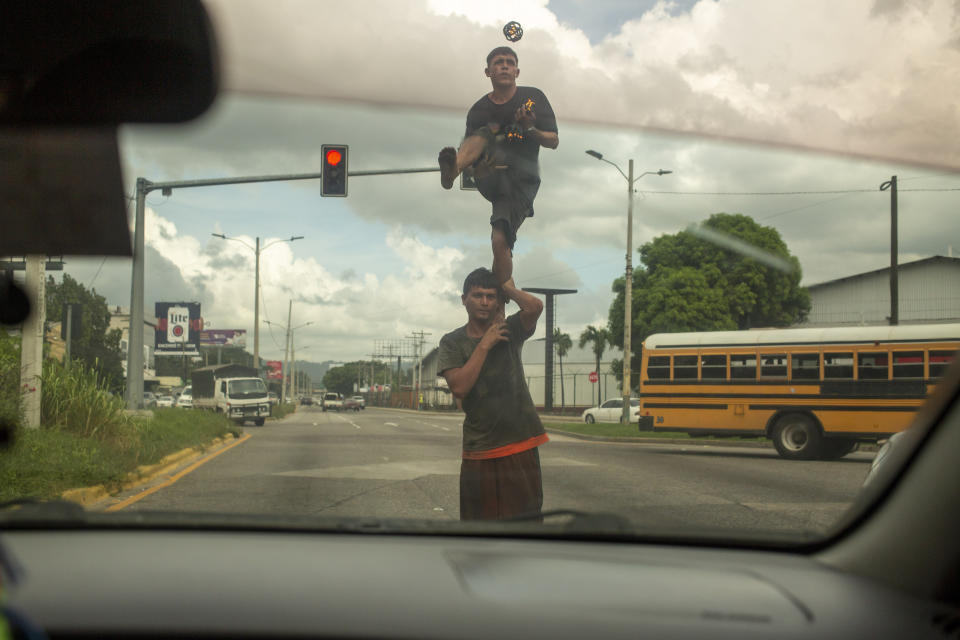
{"x":905,"y":265}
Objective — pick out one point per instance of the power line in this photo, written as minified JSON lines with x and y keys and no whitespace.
{"x":784,"y":193}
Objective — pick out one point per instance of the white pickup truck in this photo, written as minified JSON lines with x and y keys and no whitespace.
{"x":332,"y":401}
{"x":231,"y":389}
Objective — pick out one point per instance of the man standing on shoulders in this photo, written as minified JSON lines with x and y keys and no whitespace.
{"x":500,"y":471}
{"x":501,"y":147}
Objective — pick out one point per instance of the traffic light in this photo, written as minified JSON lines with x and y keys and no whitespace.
{"x":334,"y":178}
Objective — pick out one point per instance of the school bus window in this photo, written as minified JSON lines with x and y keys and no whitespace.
{"x":684,"y":367}
{"x":773,"y":365}
{"x":871,"y":365}
{"x":713,"y":368}
{"x":658,"y":368}
{"x":939,"y":361}
{"x":908,"y":364}
{"x":743,"y":367}
{"x":805,"y":366}
{"x":838,"y":366}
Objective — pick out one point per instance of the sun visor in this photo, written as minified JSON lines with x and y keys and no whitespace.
{"x":62,"y":193}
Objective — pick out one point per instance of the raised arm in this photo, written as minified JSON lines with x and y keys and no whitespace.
{"x":530,"y":306}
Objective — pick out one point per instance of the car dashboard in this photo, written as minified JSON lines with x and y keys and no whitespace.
{"x":155,"y":583}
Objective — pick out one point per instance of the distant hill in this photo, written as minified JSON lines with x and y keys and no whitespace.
{"x":316,"y":370}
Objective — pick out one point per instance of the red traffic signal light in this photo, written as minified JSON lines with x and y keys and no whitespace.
{"x":333,"y":181}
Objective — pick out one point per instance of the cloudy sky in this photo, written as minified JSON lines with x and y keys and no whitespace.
{"x":873,"y":80}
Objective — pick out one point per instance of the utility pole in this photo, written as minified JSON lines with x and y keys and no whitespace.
{"x":256,"y":308}
{"x":628,"y":278}
{"x":31,"y":345}
{"x":891,"y":184}
{"x":68,"y":335}
{"x":285,"y":387}
{"x":418,"y":341}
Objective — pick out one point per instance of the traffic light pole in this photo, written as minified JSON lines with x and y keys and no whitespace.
{"x":134,"y":395}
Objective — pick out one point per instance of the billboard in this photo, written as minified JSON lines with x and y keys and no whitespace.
{"x":223,"y":338}
{"x":178,"y":328}
{"x":274,"y":370}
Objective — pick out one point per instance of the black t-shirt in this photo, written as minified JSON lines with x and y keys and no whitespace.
{"x":524,"y":155}
{"x":499,"y":410}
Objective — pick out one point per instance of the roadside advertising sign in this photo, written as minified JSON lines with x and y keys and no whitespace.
{"x":178,"y":328}
{"x":223,"y":338}
{"x":274,"y":370}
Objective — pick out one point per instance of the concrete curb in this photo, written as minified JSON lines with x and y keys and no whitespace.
{"x":677,"y":441}
{"x":723,"y":442}
{"x":144,"y":474}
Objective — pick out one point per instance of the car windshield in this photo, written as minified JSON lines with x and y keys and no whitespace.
{"x":243,"y":387}
{"x":669,"y":205}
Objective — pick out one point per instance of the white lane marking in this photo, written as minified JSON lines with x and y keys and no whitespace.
{"x":390,"y":424}
{"x":435,"y":426}
{"x":355,"y":425}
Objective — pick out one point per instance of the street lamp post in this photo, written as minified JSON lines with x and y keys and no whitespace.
{"x":256,"y":287}
{"x":628,"y":285}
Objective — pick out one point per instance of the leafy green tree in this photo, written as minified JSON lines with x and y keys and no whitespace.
{"x":599,"y":338}
{"x":341,"y":379}
{"x":97,"y":345}
{"x":561,"y":344}
{"x":687,"y":283}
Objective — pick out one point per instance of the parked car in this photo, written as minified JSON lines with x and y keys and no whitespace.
{"x":612,"y":411}
{"x":149,"y":400}
{"x":164,"y":401}
{"x":306,"y":400}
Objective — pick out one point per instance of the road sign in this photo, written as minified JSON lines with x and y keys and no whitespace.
{"x":593,"y":377}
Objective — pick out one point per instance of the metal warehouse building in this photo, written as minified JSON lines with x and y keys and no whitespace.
{"x":928,"y":291}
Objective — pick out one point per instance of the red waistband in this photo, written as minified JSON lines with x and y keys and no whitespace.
{"x":507,"y":450}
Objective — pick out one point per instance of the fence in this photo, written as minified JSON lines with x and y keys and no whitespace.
{"x":576,"y":393}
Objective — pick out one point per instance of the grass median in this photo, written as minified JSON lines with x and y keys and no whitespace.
{"x":616,"y":430}
{"x":45,"y":462}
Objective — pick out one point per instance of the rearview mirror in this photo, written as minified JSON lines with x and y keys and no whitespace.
{"x":65,"y":62}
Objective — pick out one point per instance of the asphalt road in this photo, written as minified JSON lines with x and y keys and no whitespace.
{"x":401,"y":464}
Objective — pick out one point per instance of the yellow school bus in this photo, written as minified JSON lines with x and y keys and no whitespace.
{"x":816,"y":392}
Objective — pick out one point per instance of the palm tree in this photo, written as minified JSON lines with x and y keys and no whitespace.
{"x":600,"y":339}
{"x":562,"y":343}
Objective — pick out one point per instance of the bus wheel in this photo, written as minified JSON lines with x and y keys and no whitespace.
{"x":796,"y":437}
{"x":836,"y":448}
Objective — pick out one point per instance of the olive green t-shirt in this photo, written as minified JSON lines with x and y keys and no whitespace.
{"x":499,"y":409}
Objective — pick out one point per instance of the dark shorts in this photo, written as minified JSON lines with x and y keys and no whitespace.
{"x":511,"y":191}
{"x":501,"y":487}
